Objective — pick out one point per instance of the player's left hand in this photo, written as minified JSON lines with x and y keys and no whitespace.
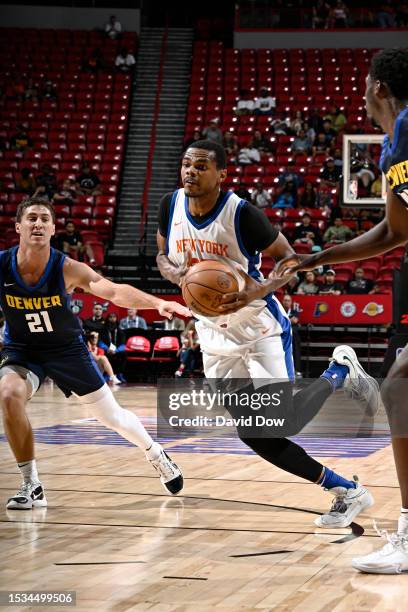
{"x":168,"y":309}
{"x":233,"y":301}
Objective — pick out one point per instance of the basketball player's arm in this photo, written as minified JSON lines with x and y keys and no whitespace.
{"x":77,"y":274}
{"x":254,"y":290}
{"x":168,"y":270}
{"x":391,"y":232}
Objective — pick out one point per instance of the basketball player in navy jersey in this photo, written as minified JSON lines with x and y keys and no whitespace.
{"x":387,"y":106}
{"x":43,"y":338}
{"x":252,"y":340}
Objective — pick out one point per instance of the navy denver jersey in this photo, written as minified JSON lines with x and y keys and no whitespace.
{"x":36,"y":316}
{"x":394,"y":157}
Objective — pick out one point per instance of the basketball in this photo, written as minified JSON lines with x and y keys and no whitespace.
{"x":205,"y":284}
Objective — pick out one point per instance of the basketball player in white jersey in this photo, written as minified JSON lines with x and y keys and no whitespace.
{"x":252,"y":340}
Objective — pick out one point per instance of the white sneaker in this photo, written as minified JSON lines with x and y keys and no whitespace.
{"x":115,"y":380}
{"x":170,"y":474}
{"x":390,"y":559}
{"x":31,"y":495}
{"x":358,"y":384}
{"x":347,"y":504}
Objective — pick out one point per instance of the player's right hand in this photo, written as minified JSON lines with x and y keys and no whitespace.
{"x":295,"y":263}
{"x":183,"y":269}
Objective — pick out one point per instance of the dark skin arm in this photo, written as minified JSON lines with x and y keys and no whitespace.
{"x":391,"y":232}
{"x":231,"y":302}
{"x":168,"y":270}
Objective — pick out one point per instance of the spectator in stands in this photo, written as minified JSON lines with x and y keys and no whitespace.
{"x":309,"y":131}
{"x":280,"y":125}
{"x":285,"y":199}
{"x":66,"y":194}
{"x":88,"y":182}
{"x":376,"y":188}
{"x":49,"y":92}
{"x":264,"y":103}
{"x":94,"y":62}
{"x":189,"y":352}
{"x":21,"y":141}
{"x":337,"y":232}
{"x":113,"y":29}
{"x":306,"y":232}
{"x":15,"y":89}
{"x":297,"y":123}
{"x":260,"y":196}
{"x":320,"y":145}
{"x":308,"y":286}
{"x":301,"y":145}
{"x":101,"y":360}
{"x":329,"y":132}
{"x":359,"y":284}
{"x":315,"y":120}
{"x":338,"y":15}
{"x":331,"y":173}
{"x":47,"y":181}
{"x":288,"y":175}
{"x":321,"y":12}
{"x":338,"y":158}
{"x":363,"y":169}
{"x":249,"y":155}
{"x":71,"y":243}
{"x":174,"y":324}
{"x":386,"y":15}
{"x":31,"y":91}
{"x":133,"y":320}
{"x":261,"y":142}
{"x":329,"y":285}
{"x":190,"y":141}
{"x":308,"y":199}
{"x":125,"y":61}
{"x":294,"y":316}
{"x":242,"y":192}
{"x":401,"y":15}
{"x":245,"y":104}
{"x":230,"y":143}
{"x":26,"y":182}
{"x":96,"y":322}
{"x":112,"y":339}
{"x":213,"y":132}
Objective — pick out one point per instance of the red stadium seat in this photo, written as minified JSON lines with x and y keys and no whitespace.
{"x":138,"y":348}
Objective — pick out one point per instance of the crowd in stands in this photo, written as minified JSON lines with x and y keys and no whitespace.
{"x":324,"y":14}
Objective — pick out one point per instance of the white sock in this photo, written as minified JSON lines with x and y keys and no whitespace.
{"x":105,"y":408}
{"x":154,"y":451}
{"x":28,"y":471}
{"x":403,"y":522}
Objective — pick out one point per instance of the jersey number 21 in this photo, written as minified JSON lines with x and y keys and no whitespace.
{"x":37,"y":321}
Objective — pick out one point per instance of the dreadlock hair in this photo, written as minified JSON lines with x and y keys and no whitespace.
{"x":390,"y":66}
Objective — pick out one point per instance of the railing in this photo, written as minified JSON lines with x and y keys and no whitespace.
{"x":152,"y":147}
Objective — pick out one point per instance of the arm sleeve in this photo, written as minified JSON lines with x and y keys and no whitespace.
{"x":164,"y":214}
{"x":256,"y":231}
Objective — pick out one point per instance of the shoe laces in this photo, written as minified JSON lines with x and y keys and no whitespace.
{"x":338,"y":506}
{"x":164,"y":466}
{"x":397,"y":540}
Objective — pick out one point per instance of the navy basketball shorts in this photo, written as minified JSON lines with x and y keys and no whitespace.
{"x":71,"y":366}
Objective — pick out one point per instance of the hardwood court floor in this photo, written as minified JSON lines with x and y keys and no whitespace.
{"x":240,"y":537}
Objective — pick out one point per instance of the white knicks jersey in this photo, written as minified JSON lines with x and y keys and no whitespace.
{"x":218,"y":238}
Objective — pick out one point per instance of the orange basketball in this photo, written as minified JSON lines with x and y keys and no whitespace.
{"x":205,"y":284}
